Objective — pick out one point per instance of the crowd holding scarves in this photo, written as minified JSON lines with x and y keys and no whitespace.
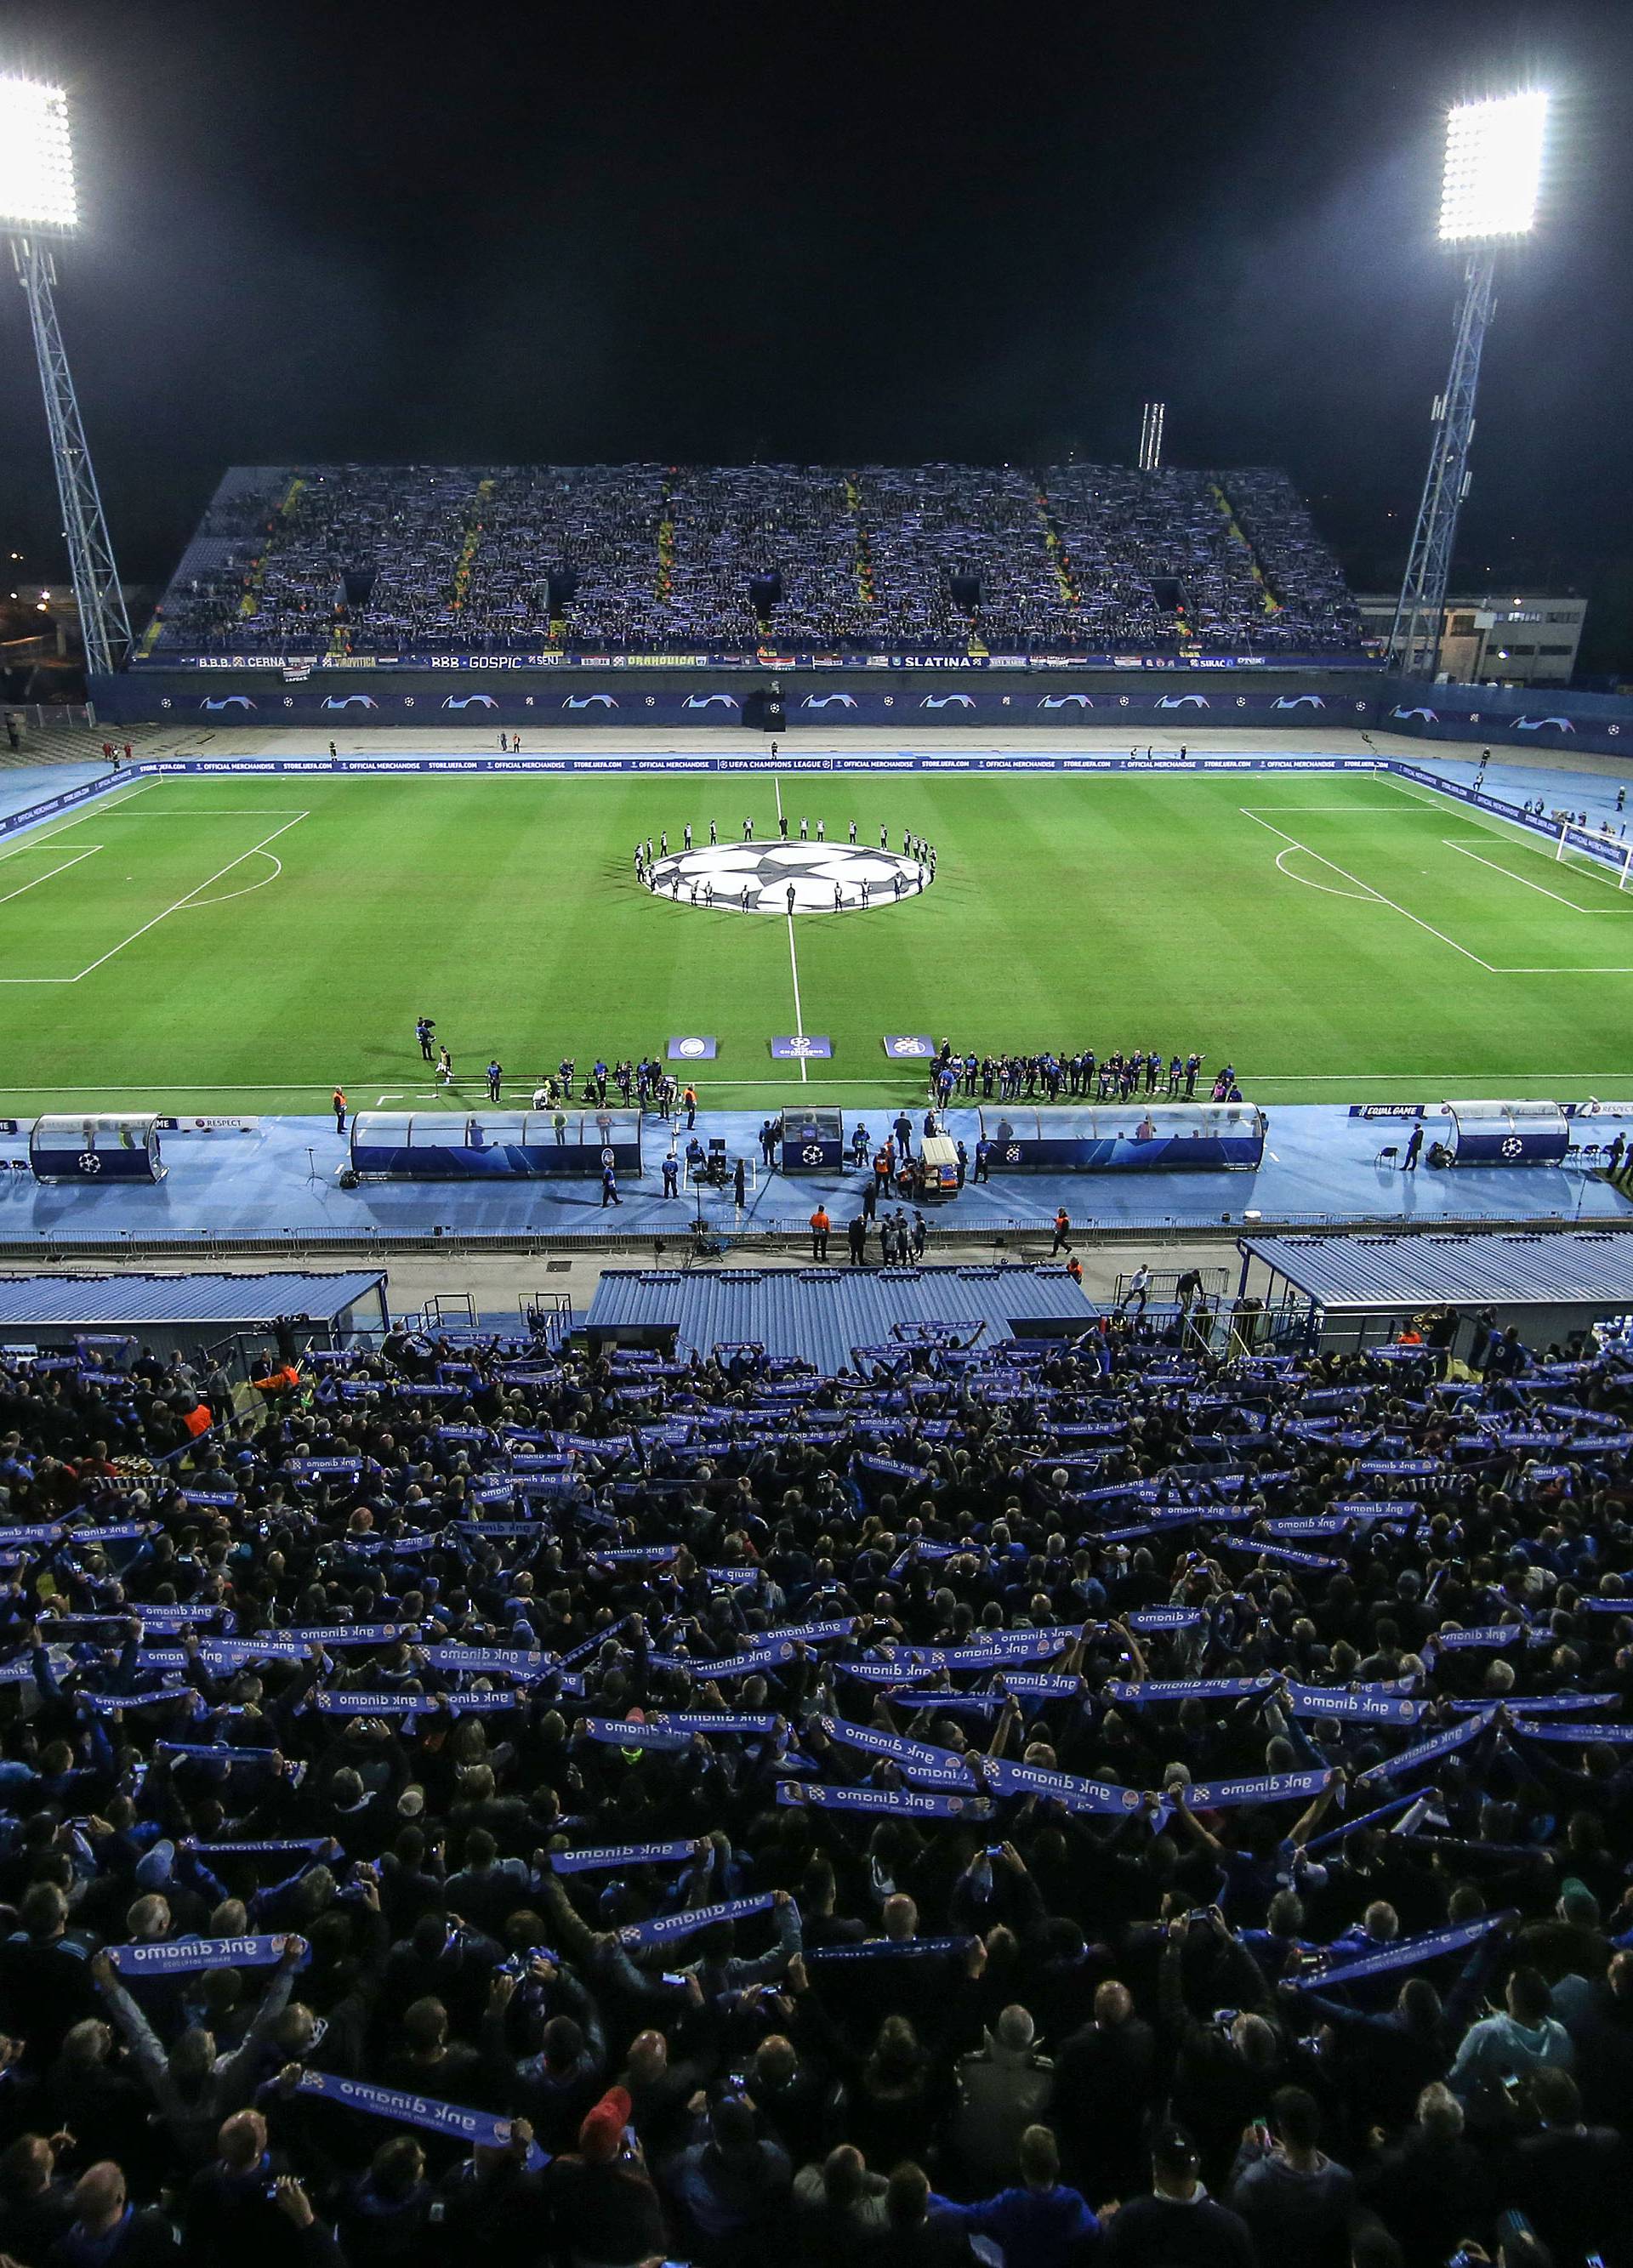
{"x":572,"y":1801}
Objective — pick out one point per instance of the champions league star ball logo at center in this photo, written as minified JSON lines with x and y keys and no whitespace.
{"x":755,"y":877}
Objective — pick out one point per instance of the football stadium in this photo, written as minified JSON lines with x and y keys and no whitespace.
{"x":816,"y":1264}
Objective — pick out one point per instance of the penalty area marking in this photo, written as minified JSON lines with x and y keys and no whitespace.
{"x":1363,"y":894}
{"x":202,"y":905}
{"x":176,"y":907}
{"x":89,"y":852}
{"x":1344,"y":875}
{"x":1525,"y":883}
{"x":92,"y":807}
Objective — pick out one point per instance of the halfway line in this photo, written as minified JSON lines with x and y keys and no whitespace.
{"x":794,"y":958}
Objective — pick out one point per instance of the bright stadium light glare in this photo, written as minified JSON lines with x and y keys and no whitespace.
{"x":36,"y":158}
{"x":1494,"y":162}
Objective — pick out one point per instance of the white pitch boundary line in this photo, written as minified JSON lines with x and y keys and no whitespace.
{"x":1376,"y":895}
{"x":29,"y":837}
{"x":1542,"y":890}
{"x":89,"y":852}
{"x":196,"y":891}
{"x":794,"y":958}
{"x":1435,"y":801}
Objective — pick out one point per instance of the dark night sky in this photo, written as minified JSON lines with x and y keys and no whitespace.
{"x":881,"y":231}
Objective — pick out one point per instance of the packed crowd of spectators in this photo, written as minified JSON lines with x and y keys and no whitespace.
{"x":608,"y":558}
{"x":502,"y":1800}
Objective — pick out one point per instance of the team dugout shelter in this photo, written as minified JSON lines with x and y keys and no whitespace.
{"x":446,"y":1146}
{"x":1131,"y":1138}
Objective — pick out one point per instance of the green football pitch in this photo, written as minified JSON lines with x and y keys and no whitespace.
{"x":234,"y":946}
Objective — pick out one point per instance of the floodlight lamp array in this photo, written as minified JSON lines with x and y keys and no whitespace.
{"x":1494,"y":164}
{"x":36,"y":158}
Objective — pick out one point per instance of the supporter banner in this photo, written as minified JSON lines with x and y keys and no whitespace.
{"x":892,"y":1948}
{"x":479,"y":2129}
{"x":348,"y":1702}
{"x":1039,"y":1684}
{"x":1147,"y":1693}
{"x":669,"y":1929}
{"x":811,"y":1634}
{"x":1430,"y":1751}
{"x":1402,"y":1953}
{"x":917,"y":1759}
{"x":334,"y":1634}
{"x":1353,"y":1705}
{"x":1537,"y":1704}
{"x":1091,"y":1795}
{"x":706,"y":1669}
{"x":1283,"y":1554}
{"x":615,"y":1733}
{"x":109,"y":1705}
{"x":221,"y":1752}
{"x":610,"y":1858}
{"x":1488,"y":1634}
{"x":1015,"y":1647}
{"x":267,"y":1846}
{"x":492,"y":1661}
{"x":902,"y":1802}
{"x":1576,"y":1735}
{"x":185,"y":1955}
{"x":1230,"y":1794}
{"x":1396,"y":1803}
{"x":715,"y":1720}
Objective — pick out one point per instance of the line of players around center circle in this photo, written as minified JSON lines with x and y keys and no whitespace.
{"x":916,"y":847}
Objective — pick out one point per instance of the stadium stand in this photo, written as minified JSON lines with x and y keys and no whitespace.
{"x":929,"y":558}
{"x":600,"y":1809}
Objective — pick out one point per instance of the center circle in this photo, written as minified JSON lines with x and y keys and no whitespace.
{"x":755,"y":877}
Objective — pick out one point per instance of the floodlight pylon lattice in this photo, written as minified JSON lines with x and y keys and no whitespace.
{"x":1420,"y":614}
{"x":1489,"y":193}
{"x":104,"y":621}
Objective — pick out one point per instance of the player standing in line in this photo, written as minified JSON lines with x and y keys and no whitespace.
{"x":821,"y":830}
{"x":689,"y":834}
{"x":885,"y":838}
{"x":805,"y":830}
{"x":748,"y":830}
{"x":853,"y":830}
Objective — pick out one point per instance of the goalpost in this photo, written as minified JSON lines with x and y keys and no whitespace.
{"x":1606,"y":855}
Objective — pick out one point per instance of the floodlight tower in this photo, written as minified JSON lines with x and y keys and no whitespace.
{"x":38,"y":204}
{"x":1489,"y":196}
